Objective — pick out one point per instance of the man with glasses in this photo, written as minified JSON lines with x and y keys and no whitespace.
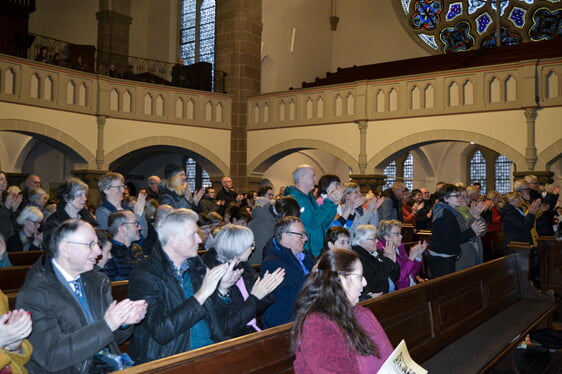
{"x":125,"y":253}
{"x":288,"y":253}
{"x":74,"y":315}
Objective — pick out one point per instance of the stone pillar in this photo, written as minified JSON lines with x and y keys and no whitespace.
{"x":368,"y":182}
{"x":91,"y":178}
{"x":100,"y":154}
{"x":114,"y":22}
{"x":531,"y":150}
{"x":238,"y":53}
{"x":362,"y":125}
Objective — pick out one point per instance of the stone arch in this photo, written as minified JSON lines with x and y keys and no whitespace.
{"x":550,"y":155}
{"x":210,"y":161}
{"x":53,"y":137}
{"x":413,"y":141}
{"x":267,"y":158}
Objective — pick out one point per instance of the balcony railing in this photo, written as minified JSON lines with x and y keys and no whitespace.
{"x":128,"y":67}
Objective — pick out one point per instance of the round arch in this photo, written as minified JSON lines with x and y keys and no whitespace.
{"x":267,"y":158}
{"x":413,"y":141}
{"x":211,"y":162}
{"x":53,"y":137}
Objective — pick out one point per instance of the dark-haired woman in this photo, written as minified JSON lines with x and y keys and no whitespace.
{"x":331,"y":333}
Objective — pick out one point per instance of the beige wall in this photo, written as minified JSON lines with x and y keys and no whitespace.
{"x":68,"y":20}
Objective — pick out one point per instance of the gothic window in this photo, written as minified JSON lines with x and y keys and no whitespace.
{"x":478,"y":166}
{"x":197,"y":177}
{"x":503,"y":174}
{"x":197,"y":31}
{"x":390,"y":172}
{"x":445,"y":26}
{"x":409,"y":172}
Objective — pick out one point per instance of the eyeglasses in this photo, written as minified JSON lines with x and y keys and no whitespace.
{"x":396,"y":233}
{"x":455,"y":195}
{"x":356,"y":274}
{"x":303,"y":235}
{"x":34,"y":222}
{"x":93,"y":244}
{"x":131,"y":223}
{"x":371,"y":239}
{"x":253,"y":246}
{"x":120,"y":187}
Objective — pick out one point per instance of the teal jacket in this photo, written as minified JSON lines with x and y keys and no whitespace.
{"x":315,"y":218}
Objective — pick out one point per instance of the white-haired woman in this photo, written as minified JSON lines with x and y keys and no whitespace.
{"x":250,"y":295}
{"x":28,"y":238}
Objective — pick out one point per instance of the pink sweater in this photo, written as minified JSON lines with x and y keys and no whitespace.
{"x":323,"y":350}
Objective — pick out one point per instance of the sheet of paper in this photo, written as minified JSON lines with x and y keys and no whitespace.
{"x":400,"y":362}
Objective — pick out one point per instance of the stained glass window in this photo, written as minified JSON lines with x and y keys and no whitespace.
{"x":197,"y":177}
{"x":197,"y":31}
{"x":478,"y":166}
{"x":409,"y":172}
{"x":447,"y":26}
{"x":390,"y":172}
{"x":503,"y":174}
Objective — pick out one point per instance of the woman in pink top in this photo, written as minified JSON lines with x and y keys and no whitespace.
{"x":331,"y":333}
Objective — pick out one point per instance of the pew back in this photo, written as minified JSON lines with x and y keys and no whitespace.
{"x":428,"y":316}
{"x":550,"y":256}
{"x":12,"y":278}
{"x":24,"y":258}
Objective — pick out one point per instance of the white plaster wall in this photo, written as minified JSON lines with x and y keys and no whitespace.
{"x":69,"y":20}
{"x":11,"y":146}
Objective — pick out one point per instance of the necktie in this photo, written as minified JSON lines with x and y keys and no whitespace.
{"x":75,"y":284}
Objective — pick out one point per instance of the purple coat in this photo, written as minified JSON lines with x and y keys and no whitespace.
{"x":322,"y":347}
{"x":408,"y":268}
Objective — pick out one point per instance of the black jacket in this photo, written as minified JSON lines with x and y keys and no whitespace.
{"x":377,"y":270}
{"x":58,"y":217}
{"x":63,"y":342}
{"x":165,"y":330}
{"x":240,"y":311}
{"x":516,"y":226}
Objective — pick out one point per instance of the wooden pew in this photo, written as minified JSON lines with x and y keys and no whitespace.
{"x":435,"y":318}
{"x":12,"y":278}
{"x":24,"y":258}
{"x":492,"y":244}
{"x":550,"y":257}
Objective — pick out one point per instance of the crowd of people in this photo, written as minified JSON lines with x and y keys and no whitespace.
{"x":321,"y":246}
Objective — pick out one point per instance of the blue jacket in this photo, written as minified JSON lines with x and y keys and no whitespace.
{"x":283,"y":309}
{"x":315,"y":218}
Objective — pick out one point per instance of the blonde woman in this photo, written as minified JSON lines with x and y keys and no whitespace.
{"x":177,"y":192}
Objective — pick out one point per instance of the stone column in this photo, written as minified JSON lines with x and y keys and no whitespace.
{"x":362,"y":125}
{"x":114,"y":22}
{"x":100,"y":154}
{"x":237,"y":53}
{"x":531,"y":150}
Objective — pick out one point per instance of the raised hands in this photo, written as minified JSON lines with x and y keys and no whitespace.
{"x":476,"y":209}
{"x":198,"y":196}
{"x":478,"y":227}
{"x":417,"y":250}
{"x":211,"y":281}
{"x":141,"y":202}
{"x":268,"y":283}
{"x":125,"y":312}
{"x":13,"y":201}
{"x":230,"y":278}
{"x":390,"y":250}
{"x":15,"y":326}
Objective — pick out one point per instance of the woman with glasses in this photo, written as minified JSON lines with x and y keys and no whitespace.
{"x":390,"y":243}
{"x":72,"y":196}
{"x":447,"y":236}
{"x":250,"y":295}
{"x":331,"y":333}
{"x":380,"y":271}
{"x":113,"y":185}
{"x":28,"y":237}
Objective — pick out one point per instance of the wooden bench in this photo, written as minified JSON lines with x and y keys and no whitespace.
{"x":463,"y":322}
{"x":12,"y":278}
{"x":24,"y":258}
{"x":550,"y":257}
